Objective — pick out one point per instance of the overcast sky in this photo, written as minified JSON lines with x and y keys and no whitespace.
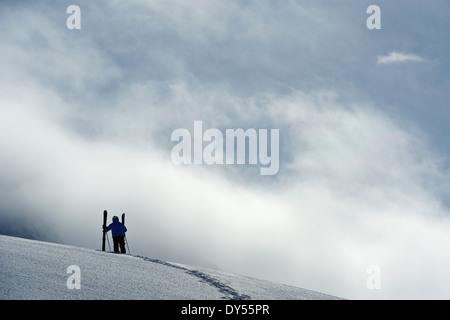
{"x":86,"y":118}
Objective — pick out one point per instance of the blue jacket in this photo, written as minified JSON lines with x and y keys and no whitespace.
{"x":117,"y":228}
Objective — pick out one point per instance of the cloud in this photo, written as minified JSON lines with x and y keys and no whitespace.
{"x":398,"y":57}
{"x":353,"y":194}
{"x":86,"y":124}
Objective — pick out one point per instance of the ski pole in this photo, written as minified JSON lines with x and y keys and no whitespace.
{"x":126,"y":242}
{"x":109,"y":244}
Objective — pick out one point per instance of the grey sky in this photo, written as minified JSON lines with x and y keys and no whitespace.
{"x":86,"y":119}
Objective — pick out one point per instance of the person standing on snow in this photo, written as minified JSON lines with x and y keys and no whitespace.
{"x":118,"y":234}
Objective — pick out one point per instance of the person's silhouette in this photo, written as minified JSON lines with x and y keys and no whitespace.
{"x":118,"y":233}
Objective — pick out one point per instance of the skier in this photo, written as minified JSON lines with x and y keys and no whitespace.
{"x":118,"y":233}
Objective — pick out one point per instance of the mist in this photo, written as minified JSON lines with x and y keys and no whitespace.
{"x":86,"y":123}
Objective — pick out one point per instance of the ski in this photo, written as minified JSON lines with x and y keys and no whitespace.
{"x":125,"y":237}
{"x":105,"y":216}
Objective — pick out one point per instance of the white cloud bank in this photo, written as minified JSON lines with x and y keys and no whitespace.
{"x":354,"y":187}
{"x":355,"y":193}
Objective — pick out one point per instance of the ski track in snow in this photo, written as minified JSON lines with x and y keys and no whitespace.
{"x":31,"y":269}
{"x":228,"y":291}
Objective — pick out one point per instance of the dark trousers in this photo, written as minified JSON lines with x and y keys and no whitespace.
{"x":119,"y":241}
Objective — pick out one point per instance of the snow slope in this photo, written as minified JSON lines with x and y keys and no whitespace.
{"x":32,"y":269}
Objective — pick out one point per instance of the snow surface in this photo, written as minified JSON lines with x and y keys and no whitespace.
{"x":31,"y":269}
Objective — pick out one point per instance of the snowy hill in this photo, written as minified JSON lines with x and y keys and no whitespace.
{"x":32,"y":269}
